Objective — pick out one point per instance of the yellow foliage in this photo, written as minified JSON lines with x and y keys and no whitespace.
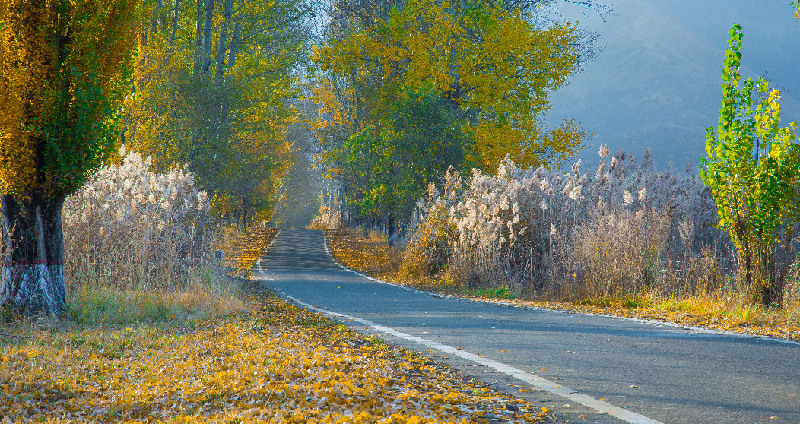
{"x":281,"y":364}
{"x":242,"y":250}
{"x":371,"y":254}
{"x":491,"y":62}
{"x":60,"y":67}
{"x":228,"y":123}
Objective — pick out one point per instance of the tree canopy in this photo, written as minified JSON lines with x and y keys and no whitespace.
{"x":211,"y":89}
{"x":490,"y":67}
{"x":62,"y":75}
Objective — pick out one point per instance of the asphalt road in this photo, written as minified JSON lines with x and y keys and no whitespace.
{"x":577,"y":364}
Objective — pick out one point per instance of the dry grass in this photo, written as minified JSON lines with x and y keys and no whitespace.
{"x":208,"y":293}
{"x":719,"y":309}
{"x":205,"y":290}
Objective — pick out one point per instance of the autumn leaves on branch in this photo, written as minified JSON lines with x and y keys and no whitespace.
{"x":200,"y":82}
{"x":407,"y":91}
{"x":62,"y":79}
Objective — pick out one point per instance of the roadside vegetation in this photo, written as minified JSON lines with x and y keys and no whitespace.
{"x":718,"y":249}
{"x":716,"y":309}
{"x":158,"y":329}
{"x":260,"y":361}
{"x":144,"y":147}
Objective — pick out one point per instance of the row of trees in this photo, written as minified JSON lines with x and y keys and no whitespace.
{"x":405,"y":88}
{"x":210,"y":89}
{"x":201,"y":82}
{"x":409,"y":86}
{"x":408,"y":89}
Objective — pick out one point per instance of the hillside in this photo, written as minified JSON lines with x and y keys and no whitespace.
{"x":656,"y":82}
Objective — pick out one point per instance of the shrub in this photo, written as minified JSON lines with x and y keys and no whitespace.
{"x":430,"y":246}
{"x":622,"y":228}
{"x":131,"y":228}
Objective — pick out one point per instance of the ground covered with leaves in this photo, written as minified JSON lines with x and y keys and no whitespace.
{"x":272,"y":362}
{"x":241,"y":250}
{"x":371,"y":254}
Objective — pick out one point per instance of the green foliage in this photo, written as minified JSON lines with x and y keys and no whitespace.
{"x":753,"y":169}
{"x":389,"y":167}
{"x":62,"y":76}
{"x":212,"y":87}
{"x":494,"y":293}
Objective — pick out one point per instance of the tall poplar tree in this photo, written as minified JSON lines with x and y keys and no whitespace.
{"x":62,"y":68}
{"x":753,"y":169}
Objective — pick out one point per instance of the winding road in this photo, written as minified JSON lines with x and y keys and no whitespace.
{"x":587,"y":368}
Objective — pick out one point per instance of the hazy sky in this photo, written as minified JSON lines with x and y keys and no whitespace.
{"x":657,"y":81}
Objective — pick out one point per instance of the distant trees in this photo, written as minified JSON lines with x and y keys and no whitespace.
{"x":211,"y":89}
{"x":62,"y":76}
{"x":409,"y":88}
{"x":753,"y":169}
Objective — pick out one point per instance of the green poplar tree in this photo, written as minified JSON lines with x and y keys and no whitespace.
{"x":753,"y":169}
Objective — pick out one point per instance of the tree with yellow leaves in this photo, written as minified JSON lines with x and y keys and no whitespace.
{"x":491,"y":66}
{"x":62,"y":66}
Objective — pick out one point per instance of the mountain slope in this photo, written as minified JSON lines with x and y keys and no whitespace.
{"x":656,"y":83}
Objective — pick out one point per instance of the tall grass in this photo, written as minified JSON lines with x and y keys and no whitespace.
{"x":131,"y":228}
{"x":326,"y":219}
{"x":138,"y":247}
{"x":619,"y":230}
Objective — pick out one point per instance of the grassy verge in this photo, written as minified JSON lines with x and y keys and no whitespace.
{"x":185,"y":358}
{"x":207,"y":292}
{"x":371,"y":254}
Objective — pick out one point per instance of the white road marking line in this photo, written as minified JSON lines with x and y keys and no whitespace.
{"x":687,"y":329}
{"x":532,"y":379}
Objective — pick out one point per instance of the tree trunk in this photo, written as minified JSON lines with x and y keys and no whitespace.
{"x":777,"y":266}
{"x":32,"y":271}
{"x":237,"y":29}
{"x":390,"y":230}
{"x":156,"y":16}
{"x":174,"y":23}
{"x":222,"y":40}
{"x":208,"y":22}
{"x":198,"y":38}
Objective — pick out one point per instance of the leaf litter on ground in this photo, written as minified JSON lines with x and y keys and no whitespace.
{"x":271,"y":363}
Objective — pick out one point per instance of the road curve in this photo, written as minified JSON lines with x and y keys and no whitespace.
{"x":657,"y":373}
